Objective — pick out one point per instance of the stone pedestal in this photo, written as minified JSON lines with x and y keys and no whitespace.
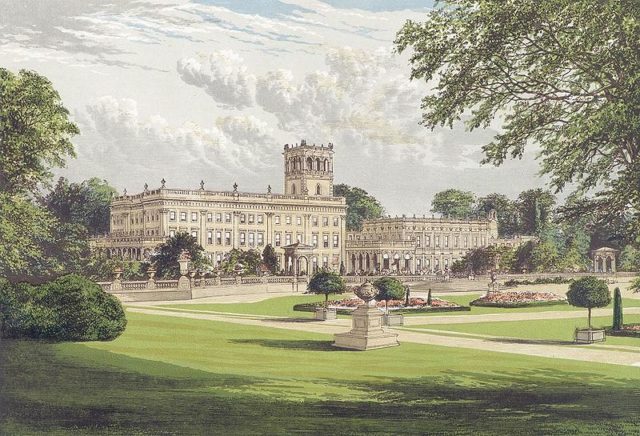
{"x":367,"y":332}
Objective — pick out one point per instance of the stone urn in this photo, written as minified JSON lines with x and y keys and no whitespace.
{"x":367,"y":332}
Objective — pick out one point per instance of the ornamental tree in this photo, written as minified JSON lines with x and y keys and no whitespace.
{"x":618,"y":321}
{"x":166,"y":258}
{"x":389,"y":288}
{"x":326,"y":282}
{"x":560,"y":75}
{"x":589,"y":292}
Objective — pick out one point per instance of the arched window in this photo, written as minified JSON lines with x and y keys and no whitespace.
{"x":318,"y":164}
{"x":293,"y":189}
{"x":326,"y":165}
{"x":309,"y":163}
{"x":318,"y":189}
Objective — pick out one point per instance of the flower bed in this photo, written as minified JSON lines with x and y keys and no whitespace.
{"x":416,"y":305}
{"x":629,"y":330}
{"x":518,"y":299}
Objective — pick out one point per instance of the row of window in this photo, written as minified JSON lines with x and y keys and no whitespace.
{"x":220,"y":237}
{"x":251,"y":218}
{"x":445,"y":241}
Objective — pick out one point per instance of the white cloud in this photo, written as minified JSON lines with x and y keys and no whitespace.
{"x":222,"y":75}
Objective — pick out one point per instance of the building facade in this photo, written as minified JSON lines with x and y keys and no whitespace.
{"x":307,"y":213}
{"x":416,"y":245}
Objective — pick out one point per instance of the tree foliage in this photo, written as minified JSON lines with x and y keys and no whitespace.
{"x":85,"y":203}
{"x":589,"y":292}
{"x":506,"y":210}
{"x":325,"y":283}
{"x":535,"y":207}
{"x":245,"y":262}
{"x":453,"y":203}
{"x":389,"y":288}
{"x":618,"y":320}
{"x":561,"y":74}
{"x":166,"y":258}
{"x":360,"y":205}
{"x":270,"y":259}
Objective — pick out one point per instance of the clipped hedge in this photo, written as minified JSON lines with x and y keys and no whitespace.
{"x":70,"y":308}
{"x":623,"y":332}
{"x":311,"y":307}
{"x":539,"y":281}
{"x":479,"y":303}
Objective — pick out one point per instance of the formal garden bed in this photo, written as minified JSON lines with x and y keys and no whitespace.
{"x":512,"y":283}
{"x":511,"y":299}
{"x":416,"y":305}
{"x":628,"y":330}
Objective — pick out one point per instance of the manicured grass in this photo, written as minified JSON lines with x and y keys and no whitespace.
{"x":548,"y":329}
{"x":171,"y":375}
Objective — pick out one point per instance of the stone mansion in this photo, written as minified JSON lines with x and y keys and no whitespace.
{"x":306,"y":225}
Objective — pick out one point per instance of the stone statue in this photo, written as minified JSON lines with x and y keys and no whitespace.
{"x":235,"y":187}
{"x":202,"y":185}
{"x":146,"y":187}
{"x":269,"y":189}
{"x":162,"y":183}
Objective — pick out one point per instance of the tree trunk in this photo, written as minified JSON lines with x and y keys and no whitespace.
{"x":589,"y":309}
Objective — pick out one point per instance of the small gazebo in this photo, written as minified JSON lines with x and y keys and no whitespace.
{"x":604,"y":259}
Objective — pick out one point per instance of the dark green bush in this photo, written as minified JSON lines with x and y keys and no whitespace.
{"x":70,"y":308}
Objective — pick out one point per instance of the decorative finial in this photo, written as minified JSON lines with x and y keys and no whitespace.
{"x":235,"y":187}
{"x":162,"y":183}
{"x":124,"y":192}
{"x":269,"y":189}
{"x":146,"y":187}
{"x":202,"y":185}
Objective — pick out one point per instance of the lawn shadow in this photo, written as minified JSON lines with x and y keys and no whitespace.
{"x":289,"y":344}
{"x":531,"y":341}
{"x":291,"y":320}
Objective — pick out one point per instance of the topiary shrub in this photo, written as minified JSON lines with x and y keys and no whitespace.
{"x":589,"y":292}
{"x":389,"y":288}
{"x":618,"y":321}
{"x":325,"y":283}
{"x":70,"y":308}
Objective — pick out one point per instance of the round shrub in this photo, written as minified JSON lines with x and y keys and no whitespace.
{"x":589,"y":292}
{"x":70,"y":308}
{"x":389,"y":288}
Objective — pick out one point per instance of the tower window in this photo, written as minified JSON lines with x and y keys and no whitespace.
{"x":318,"y":189}
{"x":293,"y":189}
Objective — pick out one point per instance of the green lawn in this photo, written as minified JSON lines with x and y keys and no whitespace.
{"x":283,"y":306}
{"x":170,"y":375}
{"x":552,"y":329}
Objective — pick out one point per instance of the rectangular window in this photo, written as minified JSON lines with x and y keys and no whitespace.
{"x":252,"y":239}
{"x":475,"y":241}
{"x":194,"y":216}
{"x":209,"y":238}
{"x":227,"y":238}
{"x":427,"y":241}
{"x":243,"y":218}
{"x":287,"y":220}
{"x":219,"y":238}
{"x":251,"y":218}
{"x":172,"y":233}
{"x":325,"y":262}
{"x":260,"y":219}
{"x":314,"y":238}
{"x":418,"y":241}
{"x":446,"y":241}
{"x":194,"y":233}
{"x":437,"y":241}
{"x":260,"y":239}
{"x":227,"y":217}
{"x":276,"y":219}
{"x":456,"y":241}
{"x":298,"y":237}
{"x":314,"y":221}
{"x":287,"y":239}
{"x":277,"y":239}
{"x":466,"y":242}
{"x":172,"y":215}
{"x":209,"y":217}
{"x":336,"y":221}
{"x":183,"y":216}
{"x":335,"y":241}
{"x":299,"y":220}
{"x":325,"y":221}
{"x":218,"y":217}
{"x":242,"y":238}
{"x":325,"y":241}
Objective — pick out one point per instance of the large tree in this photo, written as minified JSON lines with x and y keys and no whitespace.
{"x":167,"y":254}
{"x":360,"y":205}
{"x":560,"y":74}
{"x":453,"y":203}
{"x":535,"y":207}
{"x":85,"y":203}
{"x":35,"y":134}
{"x":506,"y":210}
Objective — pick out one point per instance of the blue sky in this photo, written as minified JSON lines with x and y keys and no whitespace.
{"x":212,"y":89}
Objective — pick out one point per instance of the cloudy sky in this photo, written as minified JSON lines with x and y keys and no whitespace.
{"x":212,"y":89}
